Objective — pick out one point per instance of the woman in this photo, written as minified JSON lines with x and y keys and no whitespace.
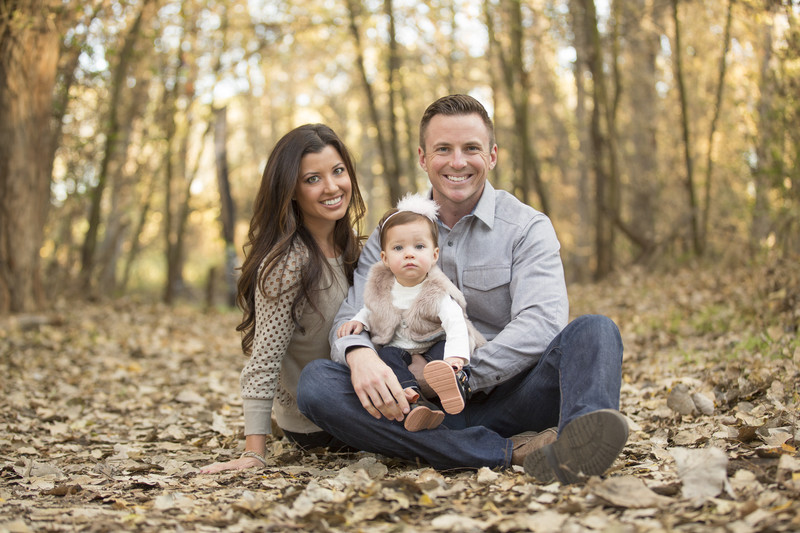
{"x":303,"y":249}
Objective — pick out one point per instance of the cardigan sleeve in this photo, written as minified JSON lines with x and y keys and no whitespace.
{"x":274,"y":328}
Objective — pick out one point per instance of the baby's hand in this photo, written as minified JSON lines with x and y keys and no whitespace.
{"x":351,"y":327}
{"x":456,"y":362}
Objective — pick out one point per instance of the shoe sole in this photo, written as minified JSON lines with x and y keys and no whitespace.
{"x":587,"y":446}
{"x":443,"y":381}
{"x":423,"y":418}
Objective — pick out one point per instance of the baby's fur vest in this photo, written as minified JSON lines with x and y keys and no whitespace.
{"x":421,"y":318}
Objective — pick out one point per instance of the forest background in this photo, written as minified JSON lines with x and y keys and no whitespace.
{"x":661,"y":136}
{"x":133,"y":133}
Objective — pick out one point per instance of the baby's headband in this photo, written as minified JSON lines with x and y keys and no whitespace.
{"x":419,"y":204}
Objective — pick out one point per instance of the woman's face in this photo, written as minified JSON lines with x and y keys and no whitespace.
{"x":323,"y":188}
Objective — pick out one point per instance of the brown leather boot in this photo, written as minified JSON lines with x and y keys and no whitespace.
{"x":587,"y":446}
{"x":530,"y":441}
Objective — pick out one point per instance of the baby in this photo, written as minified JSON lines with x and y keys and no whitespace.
{"x":410,"y":307}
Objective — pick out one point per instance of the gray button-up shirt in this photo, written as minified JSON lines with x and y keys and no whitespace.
{"x":504,"y":257}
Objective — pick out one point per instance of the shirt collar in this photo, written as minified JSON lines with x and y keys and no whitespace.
{"x":484,"y":209}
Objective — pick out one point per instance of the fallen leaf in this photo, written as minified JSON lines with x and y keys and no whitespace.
{"x":703,"y":472}
{"x":628,"y":492}
{"x":486,"y":475}
{"x":680,"y":401}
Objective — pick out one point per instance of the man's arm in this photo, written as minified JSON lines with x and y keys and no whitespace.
{"x":373,"y":381}
{"x":539,"y":308}
{"x":353,"y":303}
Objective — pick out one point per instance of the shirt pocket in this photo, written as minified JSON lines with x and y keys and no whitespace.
{"x":488,"y":294}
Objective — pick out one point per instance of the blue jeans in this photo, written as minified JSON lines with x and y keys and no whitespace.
{"x":318,"y":439}
{"x":398,"y":360}
{"x":580,"y":372}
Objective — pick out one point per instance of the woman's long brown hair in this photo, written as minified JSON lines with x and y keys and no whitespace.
{"x":277,"y":225}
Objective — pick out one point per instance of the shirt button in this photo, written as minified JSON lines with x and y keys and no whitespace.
{"x":449,"y":243}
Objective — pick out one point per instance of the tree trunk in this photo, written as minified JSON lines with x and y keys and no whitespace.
{"x":723,"y":66}
{"x":520,"y":184}
{"x":393,"y":69}
{"x":112,"y":134}
{"x":180,"y":174}
{"x":227,"y":209}
{"x":389,"y":174}
{"x":171,"y":248}
{"x":530,"y":160}
{"x":765,"y":140}
{"x":492,"y":51}
{"x":583,"y":231}
{"x":123,"y":181}
{"x":517,"y":86}
{"x":135,"y":237}
{"x":176,"y":231}
{"x":641,"y":158}
{"x":450,"y":16}
{"x":687,"y":141}
{"x":29,"y":52}
{"x":603,"y":148}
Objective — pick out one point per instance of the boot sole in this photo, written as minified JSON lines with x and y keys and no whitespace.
{"x":423,"y":418}
{"x":587,"y":446}
{"x":442,"y":380}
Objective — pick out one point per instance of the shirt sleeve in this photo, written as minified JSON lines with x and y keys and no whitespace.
{"x":539,"y":308}
{"x":274,"y":328}
{"x":455,"y":327}
{"x":370,"y":254}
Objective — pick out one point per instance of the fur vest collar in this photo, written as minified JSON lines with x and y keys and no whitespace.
{"x":421,"y":318}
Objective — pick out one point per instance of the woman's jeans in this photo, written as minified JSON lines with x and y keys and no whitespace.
{"x":579,"y":372}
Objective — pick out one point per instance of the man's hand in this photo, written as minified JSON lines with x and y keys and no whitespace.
{"x":376,"y":385}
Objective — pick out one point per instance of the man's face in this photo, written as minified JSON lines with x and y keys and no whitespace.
{"x":457,"y":157}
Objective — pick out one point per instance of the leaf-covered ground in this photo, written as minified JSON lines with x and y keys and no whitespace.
{"x":108,"y":410}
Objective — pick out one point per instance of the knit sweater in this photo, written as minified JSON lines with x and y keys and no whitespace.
{"x":280,"y":350}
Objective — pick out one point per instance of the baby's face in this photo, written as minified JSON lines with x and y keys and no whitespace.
{"x":409,"y":252}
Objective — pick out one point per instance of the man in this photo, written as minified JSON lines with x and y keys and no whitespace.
{"x":536,"y":379}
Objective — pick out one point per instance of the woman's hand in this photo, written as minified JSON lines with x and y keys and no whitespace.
{"x":237,"y":464}
{"x":376,"y":385}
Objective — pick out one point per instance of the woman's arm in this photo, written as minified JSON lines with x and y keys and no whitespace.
{"x":274,"y":328}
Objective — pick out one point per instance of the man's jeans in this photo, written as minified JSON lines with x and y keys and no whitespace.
{"x":580,"y":372}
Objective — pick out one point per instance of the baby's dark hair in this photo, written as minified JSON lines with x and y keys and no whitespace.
{"x":393,"y":218}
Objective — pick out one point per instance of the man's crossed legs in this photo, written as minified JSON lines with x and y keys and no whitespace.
{"x":574,"y":387}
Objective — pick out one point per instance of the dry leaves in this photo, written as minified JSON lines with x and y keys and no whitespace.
{"x":109,"y":410}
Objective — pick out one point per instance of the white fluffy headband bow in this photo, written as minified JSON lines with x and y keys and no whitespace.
{"x":419,"y":204}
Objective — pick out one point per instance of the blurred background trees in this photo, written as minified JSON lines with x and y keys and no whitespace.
{"x":133,"y":133}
